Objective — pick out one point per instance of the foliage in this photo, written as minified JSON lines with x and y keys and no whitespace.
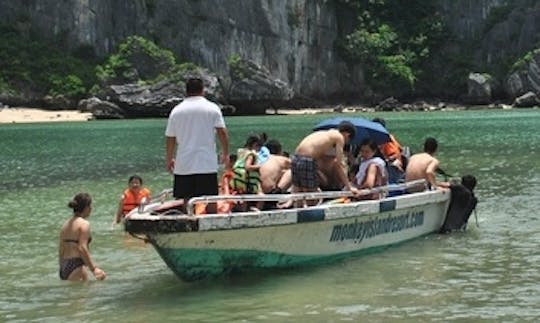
{"x":523,"y":61}
{"x":497,"y":15}
{"x":70,"y":86}
{"x":392,"y":40}
{"x":27,"y":62}
{"x":237,"y":67}
{"x":136,"y":59}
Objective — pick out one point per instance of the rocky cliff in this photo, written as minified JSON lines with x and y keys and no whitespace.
{"x":294,"y":39}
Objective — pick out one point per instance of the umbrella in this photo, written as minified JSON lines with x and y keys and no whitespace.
{"x":364,"y":129}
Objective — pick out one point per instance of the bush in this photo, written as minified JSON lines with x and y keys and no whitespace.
{"x":137,"y":59}
{"x":70,"y":86}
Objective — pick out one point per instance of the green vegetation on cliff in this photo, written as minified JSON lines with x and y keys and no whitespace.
{"x":28,"y":64}
{"x":392,"y":40}
{"x":31,"y":66}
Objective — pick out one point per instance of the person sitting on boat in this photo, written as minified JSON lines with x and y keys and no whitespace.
{"x":392,"y":153}
{"x":246,"y":179}
{"x":312,"y":149}
{"x":424,"y":166}
{"x":74,"y":254}
{"x":276,"y":177}
{"x":132,"y":197}
{"x":372,"y":171}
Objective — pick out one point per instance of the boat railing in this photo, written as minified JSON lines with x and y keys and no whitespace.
{"x":160,"y":197}
{"x":304,"y":196}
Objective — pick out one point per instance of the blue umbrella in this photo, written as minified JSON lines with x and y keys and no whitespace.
{"x":364,"y":129}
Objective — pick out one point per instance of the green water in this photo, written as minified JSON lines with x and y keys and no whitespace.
{"x":490,"y":273}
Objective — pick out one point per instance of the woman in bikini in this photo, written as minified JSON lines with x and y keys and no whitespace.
{"x":73,"y":252}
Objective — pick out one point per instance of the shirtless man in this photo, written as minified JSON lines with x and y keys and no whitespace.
{"x":424,"y":165}
{"x":275,"y":173}
{"x":312,"y":149}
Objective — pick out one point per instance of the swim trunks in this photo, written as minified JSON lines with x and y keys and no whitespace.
{"x":304,"y":172}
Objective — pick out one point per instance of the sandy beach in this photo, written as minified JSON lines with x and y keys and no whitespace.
{"x":30,"y":115}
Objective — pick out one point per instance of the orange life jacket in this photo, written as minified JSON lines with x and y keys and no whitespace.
{"x":131,"y":200}
{"x":391,"y":148}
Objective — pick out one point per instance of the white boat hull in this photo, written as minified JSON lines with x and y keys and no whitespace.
{"x":216,"y":244}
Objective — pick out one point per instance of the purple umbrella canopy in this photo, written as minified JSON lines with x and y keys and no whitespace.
{"x":364,"y":129}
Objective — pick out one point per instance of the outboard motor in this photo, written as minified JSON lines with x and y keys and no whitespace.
{"x":462,"y":203}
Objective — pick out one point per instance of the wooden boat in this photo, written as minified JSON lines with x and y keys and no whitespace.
{"x":197,"y":246}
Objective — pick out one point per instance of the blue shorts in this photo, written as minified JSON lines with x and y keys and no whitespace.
{"x":304,"y":172}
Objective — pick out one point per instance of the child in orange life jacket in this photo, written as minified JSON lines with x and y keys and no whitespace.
{"x":132,"y":197}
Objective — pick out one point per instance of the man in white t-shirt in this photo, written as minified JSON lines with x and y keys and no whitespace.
{"x":191,"y":130}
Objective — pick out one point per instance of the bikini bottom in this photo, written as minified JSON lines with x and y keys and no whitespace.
{"x":67,"y":266}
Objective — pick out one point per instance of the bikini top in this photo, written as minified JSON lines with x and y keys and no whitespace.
{"x":77,"y":241}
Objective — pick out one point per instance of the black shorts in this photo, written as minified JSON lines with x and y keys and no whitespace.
{"x":188,"y":186}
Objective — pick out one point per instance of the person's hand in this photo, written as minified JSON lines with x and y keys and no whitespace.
{"x":355,"y":191}
{"x":170,"y":166}
{"x":99,"y":274}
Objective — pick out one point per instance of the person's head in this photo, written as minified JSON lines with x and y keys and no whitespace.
{"x":194,"y":87}
{"x":253,"y":142}
{"x":274,"y":147}
{"x":368,"y":149}
{"x":469,"y":181}
{"x":380,"y":120}
{"x":430,"y":145}
{"x":80,"y":204}
{"x":345,"y":127}
{"x":135,"y":182}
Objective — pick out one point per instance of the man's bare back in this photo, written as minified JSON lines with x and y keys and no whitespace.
{"x":272,"y":170}
{"x":422,"y":166}
{"x":317,"y":144}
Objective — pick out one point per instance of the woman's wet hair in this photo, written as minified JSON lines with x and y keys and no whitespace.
{"x":80,"y":202}
{"x":135,"y":177}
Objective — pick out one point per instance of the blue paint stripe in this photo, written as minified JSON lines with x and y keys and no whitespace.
{"x":310,"y":215}
{"x":386,"y":206}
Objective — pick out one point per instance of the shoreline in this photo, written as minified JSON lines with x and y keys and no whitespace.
{"x":30,"y":115}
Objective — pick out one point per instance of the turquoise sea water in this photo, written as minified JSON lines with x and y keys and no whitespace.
{"x":489,"y":273}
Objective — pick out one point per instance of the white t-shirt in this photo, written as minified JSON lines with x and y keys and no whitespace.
{"x":193,"y":123}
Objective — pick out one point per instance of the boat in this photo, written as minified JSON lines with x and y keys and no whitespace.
{"x":199,"y":246}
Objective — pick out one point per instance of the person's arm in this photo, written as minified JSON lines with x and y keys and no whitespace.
{"x":371,"y":175}
{"x":170,"y":145}
{"x":251,"y":163}
{"x":85,"y":252}
{"x":223,"y":137}
{"x":119,"y":210}
{"x":342,"y":171}
{"x":430,"y":172}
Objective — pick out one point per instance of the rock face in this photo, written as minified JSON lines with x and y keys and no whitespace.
{"x":526,"y":78}
{"x":294,"y":40}
{"x":479,"y":88}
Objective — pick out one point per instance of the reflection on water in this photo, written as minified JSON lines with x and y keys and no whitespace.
{"x":488,"y":273}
